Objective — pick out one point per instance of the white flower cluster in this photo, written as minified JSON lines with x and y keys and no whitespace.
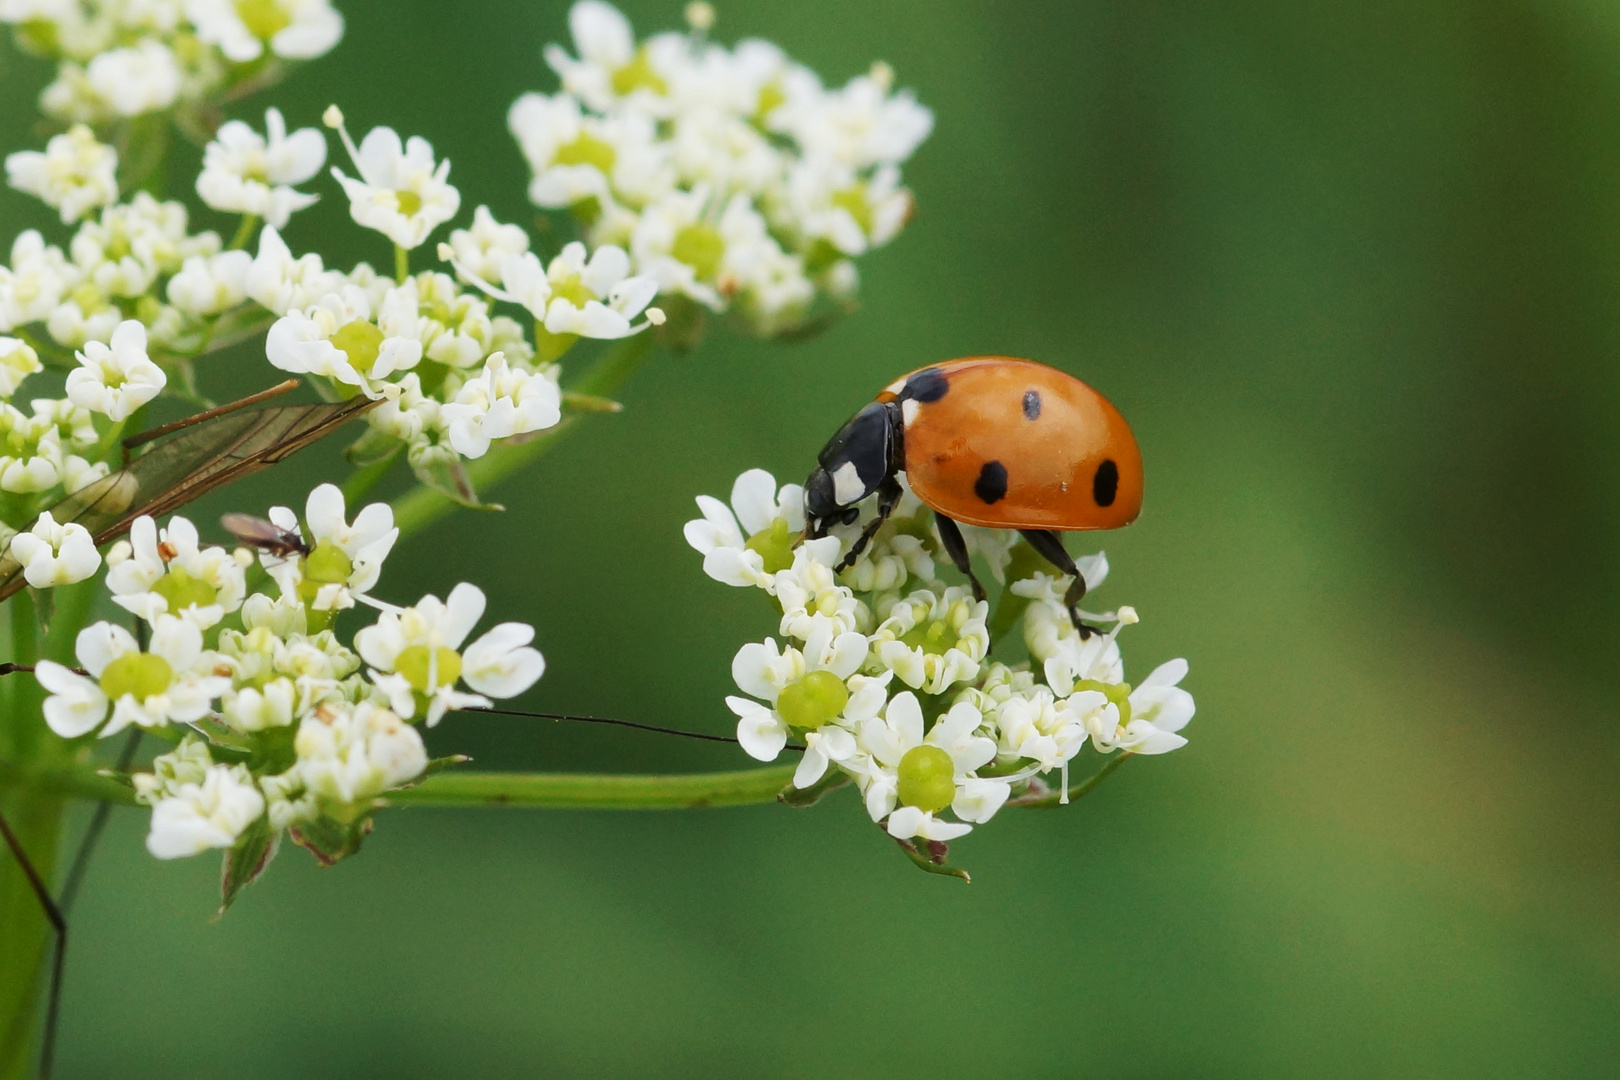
{"x":119,"y":59}
{"x":280,"y":717}
{"x":885,"y":673}
{"x":732,"y":177}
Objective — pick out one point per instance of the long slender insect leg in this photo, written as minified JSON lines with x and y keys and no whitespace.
{"x":956,"y":548}
{"x":57,"y":920}
{"x":889,"y":493}
{"x":1049,"y":545}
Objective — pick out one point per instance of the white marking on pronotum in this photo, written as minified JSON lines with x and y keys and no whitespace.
{"x":908,"y":410}
{"x":896,"y":386}
{"x":847,"y":486}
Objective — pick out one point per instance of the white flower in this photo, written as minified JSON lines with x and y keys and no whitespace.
{"x":848,"y":212}
{"x":347,"y":754}
{"x":142,"y":78}
{"x":32,"y":287}
{"x":400,"y":193}
{"x":18,"y":360}
{"x":345,"y":560}
{"x":482,"y":248}
{"x":284,"y":284}
{"x":53,"y":554}
{"x":213,"y":814}
{"x":576,"y":157}
{"x":31,"y":457}
{"x":161,"y":573}
{"x":115,"y":381}
{"x":860,"y":125}
{"x":500,"y":403}
{"x":910,"y":777}
{"x":76,"y":174}
{"x":152,"y":689}
{"x":293,"y":29}
{"x":209,"y":285}
{"x":247,"y":173}
{"x":335,"y":338}
{"x":595,"y":299}
{"x":610,"y":65}
{"x":415,"y":651}
{"x":1153,"y":715}
{"x":686,"y":248}
{"x":932,"y":643}
{"x":807,"y":690}
{"x":771,"y":520}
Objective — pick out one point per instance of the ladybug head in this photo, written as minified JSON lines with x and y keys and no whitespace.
{"x":821,"y":509}
{"x":864,"y":453}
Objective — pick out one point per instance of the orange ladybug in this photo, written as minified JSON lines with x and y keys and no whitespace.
{"x":991,"y":441}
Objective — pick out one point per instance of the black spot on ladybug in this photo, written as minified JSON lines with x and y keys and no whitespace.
{"x":1105,"y":484}
{"x":992,"y":482}
{"x":1032,"y":404}
{"x":925,"y":386}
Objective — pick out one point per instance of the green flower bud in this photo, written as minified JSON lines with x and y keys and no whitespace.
{"x":813,"y":700}
{"x":774,"y":543}
{"x":182,"y":590}
{"x":927,"y":778}
{"x":413,"y":664}
{"x":139,"y":674}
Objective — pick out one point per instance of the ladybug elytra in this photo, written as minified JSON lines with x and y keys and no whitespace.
{"x":991,"y":441}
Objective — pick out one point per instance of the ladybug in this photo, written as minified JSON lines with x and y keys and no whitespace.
{"x":991,"y":441}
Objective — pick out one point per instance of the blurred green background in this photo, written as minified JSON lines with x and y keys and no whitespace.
{"x":1352,"y":271}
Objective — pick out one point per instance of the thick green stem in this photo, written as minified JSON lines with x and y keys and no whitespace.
{"x":423,"y":506}
{"x":588,"y":791}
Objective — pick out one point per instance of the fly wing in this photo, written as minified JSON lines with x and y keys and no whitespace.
{"x":189,"y":465}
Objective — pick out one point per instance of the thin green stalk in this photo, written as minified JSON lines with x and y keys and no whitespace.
{"x":587,"y":791}
{"x":244,"y":231}
{"x":422,"y":506}
{"x":360,"y":483}
{"x":402,"y":264}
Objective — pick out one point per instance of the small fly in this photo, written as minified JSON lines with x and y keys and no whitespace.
{"x":264,"y":535}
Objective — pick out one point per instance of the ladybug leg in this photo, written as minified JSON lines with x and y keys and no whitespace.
{"x":1049,"y":545}
{"x":956,"y":548}
{"x":888,"y":493}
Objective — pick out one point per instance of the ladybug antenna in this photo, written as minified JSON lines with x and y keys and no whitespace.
{"x":704,"y":736}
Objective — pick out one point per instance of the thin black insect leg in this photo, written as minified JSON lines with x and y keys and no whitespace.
{"x":1049,"y":545}
{"x":54,"y":914}
{"x":889,"y":493}
{"x":956,"y":548}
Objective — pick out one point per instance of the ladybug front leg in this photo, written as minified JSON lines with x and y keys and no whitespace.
{"x":888,"y":493}
{"x":956,"y":547}
{"x":1049,"y":545}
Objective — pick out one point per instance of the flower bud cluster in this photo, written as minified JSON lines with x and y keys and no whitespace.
{"x":280,"y":721}
{"x":118,"y":59}
{"x":732,"y":176}
{"x":885,"y":673}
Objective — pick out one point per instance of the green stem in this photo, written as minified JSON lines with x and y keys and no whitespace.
{"x":422,"y":506}
{"x":1084,"y":787}
{"x":588,"y":791}
{"x":360,"y":483}
{"x":244,"y":231}
{"x":402,"y":264}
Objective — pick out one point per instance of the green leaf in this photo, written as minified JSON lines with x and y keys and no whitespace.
{"x":802,"y":797}
{"x":247,"y":860}
{"x":188,"y":465}
{"x":331,"y":841}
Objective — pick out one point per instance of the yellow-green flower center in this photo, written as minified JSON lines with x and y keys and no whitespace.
{"x":573,"y":290}
{"x":587,"y":149}
{"x":638,"y":74}
{"x":414,"y":662}
{"x":774,"y":543}
{"x":360,"y":341}
{"x":934,"y":636}
{"x":1118,"y":693}
{"x":409,"y":202}
{"x":701,"y":247}
{"x":264,"y":19}
{"x":813,"y":700}
{"x":853,"y":200}
{"x":327,"y":564}
{"x":927,"y":778}
{"x":139,"y":674}
{"x":770,"y":96}
{"x":182,"y":590}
